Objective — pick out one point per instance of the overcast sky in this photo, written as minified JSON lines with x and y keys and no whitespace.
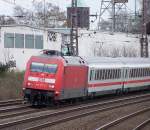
{"x":6,"y":8}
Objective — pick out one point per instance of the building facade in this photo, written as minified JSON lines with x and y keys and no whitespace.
{"x":20,"y":42}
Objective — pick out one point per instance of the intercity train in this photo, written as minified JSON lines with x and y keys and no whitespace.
{"x":52,"y":77}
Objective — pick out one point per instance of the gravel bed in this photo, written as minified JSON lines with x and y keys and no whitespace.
{"x":94,"y":121}
{"x":132,"y":122}
{"x":22,"y":126}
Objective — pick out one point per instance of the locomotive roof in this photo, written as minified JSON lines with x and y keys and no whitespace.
{"x":69,"y":60}
{"x":104,"y":62}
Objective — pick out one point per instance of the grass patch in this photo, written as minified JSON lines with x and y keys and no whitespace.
{"x":11,"y":85}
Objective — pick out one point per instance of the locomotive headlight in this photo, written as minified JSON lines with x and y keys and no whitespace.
{"x":29,"y":84}
{"x":51,"y":86}
{"x":23,"y":88}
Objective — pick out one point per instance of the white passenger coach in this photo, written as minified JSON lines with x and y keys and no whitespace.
{"x":111,"y":75}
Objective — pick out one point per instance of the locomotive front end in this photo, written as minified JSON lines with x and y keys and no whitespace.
{"x":40,"y":86}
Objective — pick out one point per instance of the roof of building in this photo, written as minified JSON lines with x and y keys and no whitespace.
{"x":56,"y":30}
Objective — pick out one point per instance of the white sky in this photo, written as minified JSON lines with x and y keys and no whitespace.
{"x":6,"y":8}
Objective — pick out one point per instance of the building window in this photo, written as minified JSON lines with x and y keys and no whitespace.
{"x":39,"y":42}
{"x":19,"y":40}
{"x":29,"y":41}
{"x":9,"y":40}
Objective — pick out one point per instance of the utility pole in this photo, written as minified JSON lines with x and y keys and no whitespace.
{"x":113,"y":17}
{"x":144,"y":39}
{"x":113,"y":8}
{"x":135,"y":7}
{"x":44,"y":14}
{"x":73,"y":47}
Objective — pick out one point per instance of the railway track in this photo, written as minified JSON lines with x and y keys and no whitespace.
{"x":13,"y":108}
{"x":50,"y":118}
{"x":123,"y":120}
{"x":142,"y":125}
{"x":10,"y":102}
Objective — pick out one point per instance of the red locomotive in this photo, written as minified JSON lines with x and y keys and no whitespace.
{"x":51,"y":77}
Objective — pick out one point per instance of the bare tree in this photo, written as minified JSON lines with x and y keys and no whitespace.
{"x":5,"y":20}
{"x":46,"y":15}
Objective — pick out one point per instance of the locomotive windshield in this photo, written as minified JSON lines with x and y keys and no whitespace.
{"x":41,"y":67}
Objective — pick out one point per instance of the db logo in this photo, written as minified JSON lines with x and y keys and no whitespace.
{"x":41,"y":80}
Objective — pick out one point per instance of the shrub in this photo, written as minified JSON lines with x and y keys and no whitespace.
{"x":11,"y":85}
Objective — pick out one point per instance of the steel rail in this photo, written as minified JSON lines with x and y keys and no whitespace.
{"x":25,"y":120}
{"x":13,"y":108}
{"x":48,"y":124}
{"x":110,"y":124}
{"x":139,"y":127}
{"x":17,"y":114}
{"x":10,"y":102}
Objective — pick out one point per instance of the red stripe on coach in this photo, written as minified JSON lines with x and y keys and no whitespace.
{"x":118,"y":83}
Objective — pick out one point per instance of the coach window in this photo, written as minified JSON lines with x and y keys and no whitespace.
{"x":146,"y":71}
{"x":95,"y":75}
{"x":104,"y":74}
{"x":9,"y":40}
{"x":130,"y":73}
{"x":91,"y":74}
{"x":107,"y":74}
{"x":100,"y":77}
{"x":116,"y":74}
{"x":141,"y":72}
{"x":99,"y":71}
{"x":39,"y":42}
{"x":103,"y":71}
{"x":111,"y":74}
{"x":19,"y":40}
{"x":29,"y":41}
{"x":119,"y":73}
{"x":137,"y":72}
